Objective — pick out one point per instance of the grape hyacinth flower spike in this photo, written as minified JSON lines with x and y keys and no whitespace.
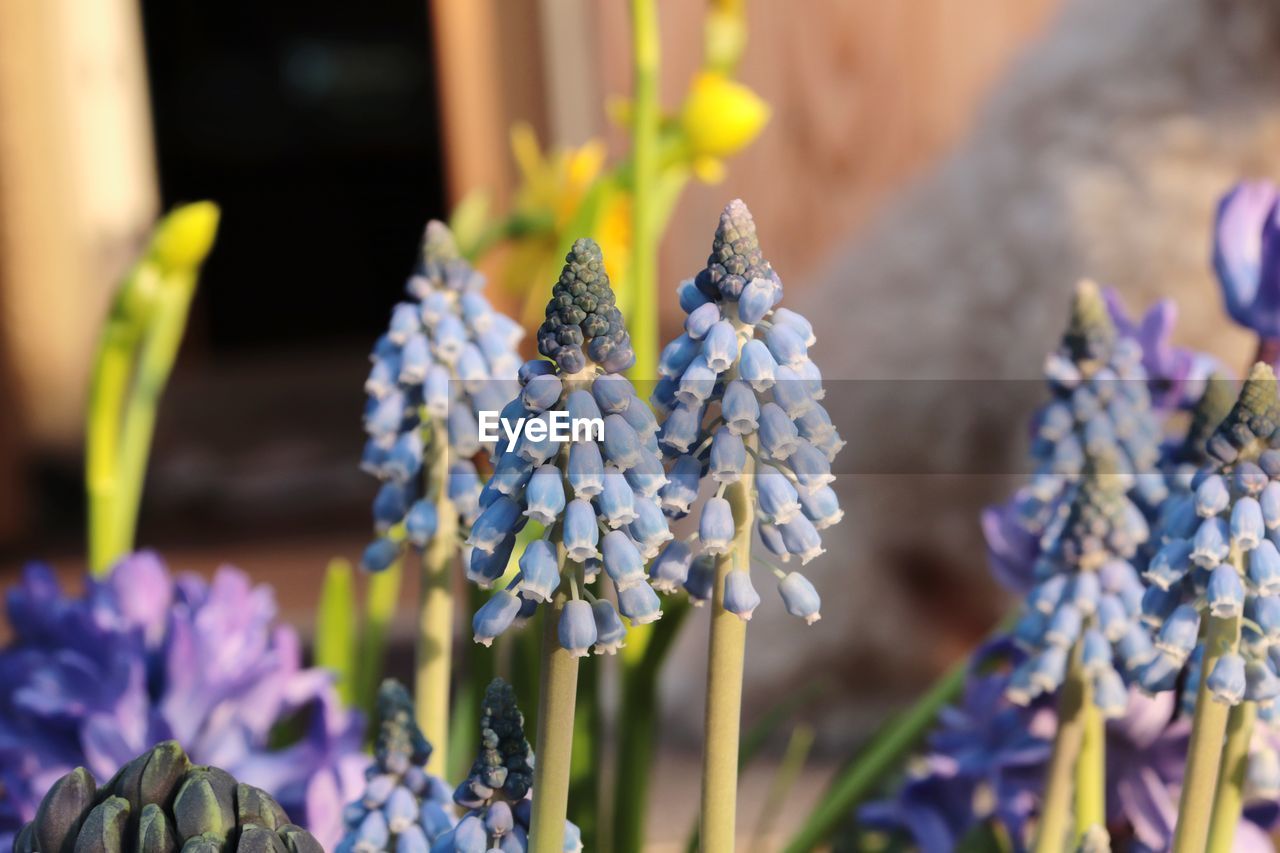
{"x":741,"y":400}
{"x":446,"y":356}
{"x":404,"y":808}
{"x":586,"y":466}
{"x":498,"y":793}
{"x":1100,"y":401}
{"x":1080,"y":627}
{"x":1214,"y":600}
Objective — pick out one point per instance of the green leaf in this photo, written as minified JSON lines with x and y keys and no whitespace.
{"x":335,"y":627}
{"x":381,"y":595}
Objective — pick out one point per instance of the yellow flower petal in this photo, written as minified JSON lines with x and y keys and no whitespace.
{"x":721,"y":116}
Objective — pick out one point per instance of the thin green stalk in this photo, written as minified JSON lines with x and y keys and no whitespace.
{"x":1091,"y":768}
{"x":1204,"y":752}
{"x":142,"y":334}
{"x":646,"y":57}
{"x":725,"y":662}
{"x":109,"y":387}
{"x":335,"y":627}
{"x":556,"y":700}
{"x":1231,"y":778}
{"x":793,"y":760}
{"x":1055,"y":810}
{"x":381,"y":594}
{"x":434,"y":653}
{"x":584,"y":769}
{"x":156,"y":358}
{"x":637,"y":727}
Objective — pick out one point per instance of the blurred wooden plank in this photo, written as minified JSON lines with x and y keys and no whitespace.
{"x":468,"y":71}
{"x":77,"y":192}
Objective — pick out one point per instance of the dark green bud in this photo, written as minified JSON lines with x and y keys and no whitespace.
{"x":155,"y":835}
{"x":582,"y":320}
{"x":205,"y":804}
{"x":103,"y":830}
{"x":1090,"y":334}
{"x":58,"y":817}
{"x":1247,"y":429}
{"x":259,"y":839}
{"x":253,"y":805}
{"x":298,"y":840}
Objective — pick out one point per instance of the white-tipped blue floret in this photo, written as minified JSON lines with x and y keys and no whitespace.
{"x":668,"y":572}
{"x":740,"y":597}
{"x":715,"y":527}
{"x":610,"y":632}
{"x":757,"y":366}
{"x":586,"y":469}
{"x":1264,"y":568}
{"x":622,"y":560}
{"x":681,"y":489}
{"x":1180,"y":632}
{"x":616,"y":502}
{"x":544,"y":496}
{"x":640,"y":604}
{"x":1212,"y":543}
{"x":701,"y":319}
{"x":622,"y":446}
{"x":577,"y":629}
{"x":801,"y":539}
{"x":539,"y":571}
{"x":728,"y":456}
{"x":779,"y":437}
{"x":1225,"y":592}
{"x":800,"y":598}
{"x":741,"y":409}
{"x":649,"y":529}
{"x":580,"y":534}
{"x":1226,"y":682}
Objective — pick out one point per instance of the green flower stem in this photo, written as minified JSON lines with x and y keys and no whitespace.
{"x":793,"y":761}
{"x":156,"y":358}
{"x":556,"y":700}
{"x":1204,"y":752}
{"x":434,"y":654}
{"x":1055,"y":811}
{"x":134,"y":358}
{"x":638,"y":724}
{"x":1231,"y":777}
{"x":335,"y":627}
{"x":381,"y":594}
{"x":725,"y":660}
{"x":109,"y":387}
{"x":1091,"y":768}
{"x":646,"y":56}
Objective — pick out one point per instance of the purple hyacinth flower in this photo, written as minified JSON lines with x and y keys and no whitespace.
{"x":1246,"y":256}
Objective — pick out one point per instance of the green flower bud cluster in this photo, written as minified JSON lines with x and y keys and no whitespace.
{"x":159,"y":803}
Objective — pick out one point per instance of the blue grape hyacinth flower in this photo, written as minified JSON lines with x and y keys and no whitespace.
{"x":742,"y":398}
{"x":1219,"y":559}
{"x":446,"y":355}
{"x":1100,"y":402}
{"x":145,"y":656}
{"x":1083,"y":611}
{"x":403,"y":809}
{"x":590,"y":474}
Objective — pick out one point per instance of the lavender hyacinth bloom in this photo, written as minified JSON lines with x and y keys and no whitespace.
{"x":1100,"y":398}
{"x":596,"y":492}
{"x":986,"y":761}
{"x":145,"y":656}
{"x":1246,"y":256}
{"x":446,"y":356}
{"x":745,"y":362}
